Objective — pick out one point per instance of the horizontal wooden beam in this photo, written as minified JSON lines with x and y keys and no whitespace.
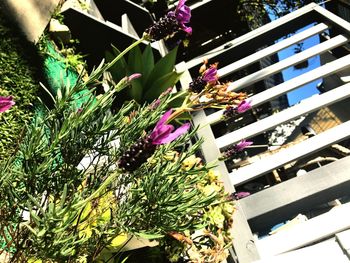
{"x":334,"y":19}
{"x":297,"y":195}
{"x":242,"y":63}
{"x":324,"y":251}
{"x":290,"y":154}
{"x":272,"y":26}
{"x":305,"y":233}
{"x":306,"y":106}
{"x":288,"y":62}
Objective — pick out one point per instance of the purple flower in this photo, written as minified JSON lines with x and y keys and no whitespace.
{"x":231,"y":112}
{"x":6,"y":103}
{"x":210,"y":75}
{"x":232,"y":151}
{"x":241,"y":195}
{"x":164,"y":133}
{"x":143,"y":148}
{"x":183,"y":16}
{"x":242,"y":145}
{"x":243,"y":106}
{"x":171,"y":23}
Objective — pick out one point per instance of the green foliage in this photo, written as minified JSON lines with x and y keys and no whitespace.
{"x":18,"y":78}
{"x":253,"y":11}
{"x":156,"y":77}
{"x":77,"y":210}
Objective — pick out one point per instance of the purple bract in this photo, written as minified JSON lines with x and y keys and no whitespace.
{"x":6,"y":103}
{"x":164,"y":133}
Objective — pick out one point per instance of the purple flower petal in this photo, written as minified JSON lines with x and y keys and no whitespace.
{"x":242,"y":145}
{"x":6,"y":103}
{"x":243,"y":106}
{"x":183,"y":15}
{"x":172,"y":136}
{"x":164,"y":118}
{"x":163,"y":133}
{"x":180,"y":4}
{"x":210,"y":75}
{"x":188,"y":30}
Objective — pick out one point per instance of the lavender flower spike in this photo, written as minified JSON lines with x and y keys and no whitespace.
{"x":140,"y":151}
{"x":6,"y":103}
{"x":171,"y":23}
{"x":164,"y":133}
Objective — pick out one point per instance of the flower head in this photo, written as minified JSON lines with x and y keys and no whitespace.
{"x":242,"y":145}
{"x":232,"y":151}
{"x":164,"y":133}
{"x":243,"y":106}
{"x":6,"y":103}
{"x":171,"y":23}
{"x":209,"y":76}
{"x":183,"y":16}
{"x":143,"y":148}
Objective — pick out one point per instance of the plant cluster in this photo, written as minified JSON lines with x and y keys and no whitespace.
{"x":18,"y":77}
{"x":87,"y":177}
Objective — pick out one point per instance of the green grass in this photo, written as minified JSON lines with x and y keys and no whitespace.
{"x":18,"y":77}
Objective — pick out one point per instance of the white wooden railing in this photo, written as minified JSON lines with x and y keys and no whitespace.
{"x":322,"y":21}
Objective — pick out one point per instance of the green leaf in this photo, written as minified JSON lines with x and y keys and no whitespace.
{"x":135,"y":91}
{"x":135,"y":64}
{"x":148,"y":62}
{"x":160,"y":85}
{"x":163,"y":66}
{"x":149,"y":236}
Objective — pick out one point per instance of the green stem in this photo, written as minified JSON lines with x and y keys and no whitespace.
{"x":124,"y":52}
{"x":98,"y":73}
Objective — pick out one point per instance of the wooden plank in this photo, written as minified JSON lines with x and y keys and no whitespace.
{"x":294,"y":83}
{"x":334,"y":19}
{"x":306,"y":106}
{"x":290,"y":154}
{"x":323,"y":252}
{"x":306,"y":233}
{"x":127,"y":26}
{"x":297,"y":195}
{"x":288,"y":62}
{"x":112,"y":10}
{"x":274,"y":25}
{"x":343,"y":238}
{"x":271,"y":49}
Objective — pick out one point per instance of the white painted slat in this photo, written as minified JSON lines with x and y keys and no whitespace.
{"x":272,"y":49}
{"x":127,"y":26}
{"x":306,"y":106}
{"x":290,"y":154}
{"x":323,"y":252}
{"x":297,"y":58}
{"x":251,"y":35}
{"x":305,"y":233}
{"x":290,"y":85}
{"x":333,"y":18}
